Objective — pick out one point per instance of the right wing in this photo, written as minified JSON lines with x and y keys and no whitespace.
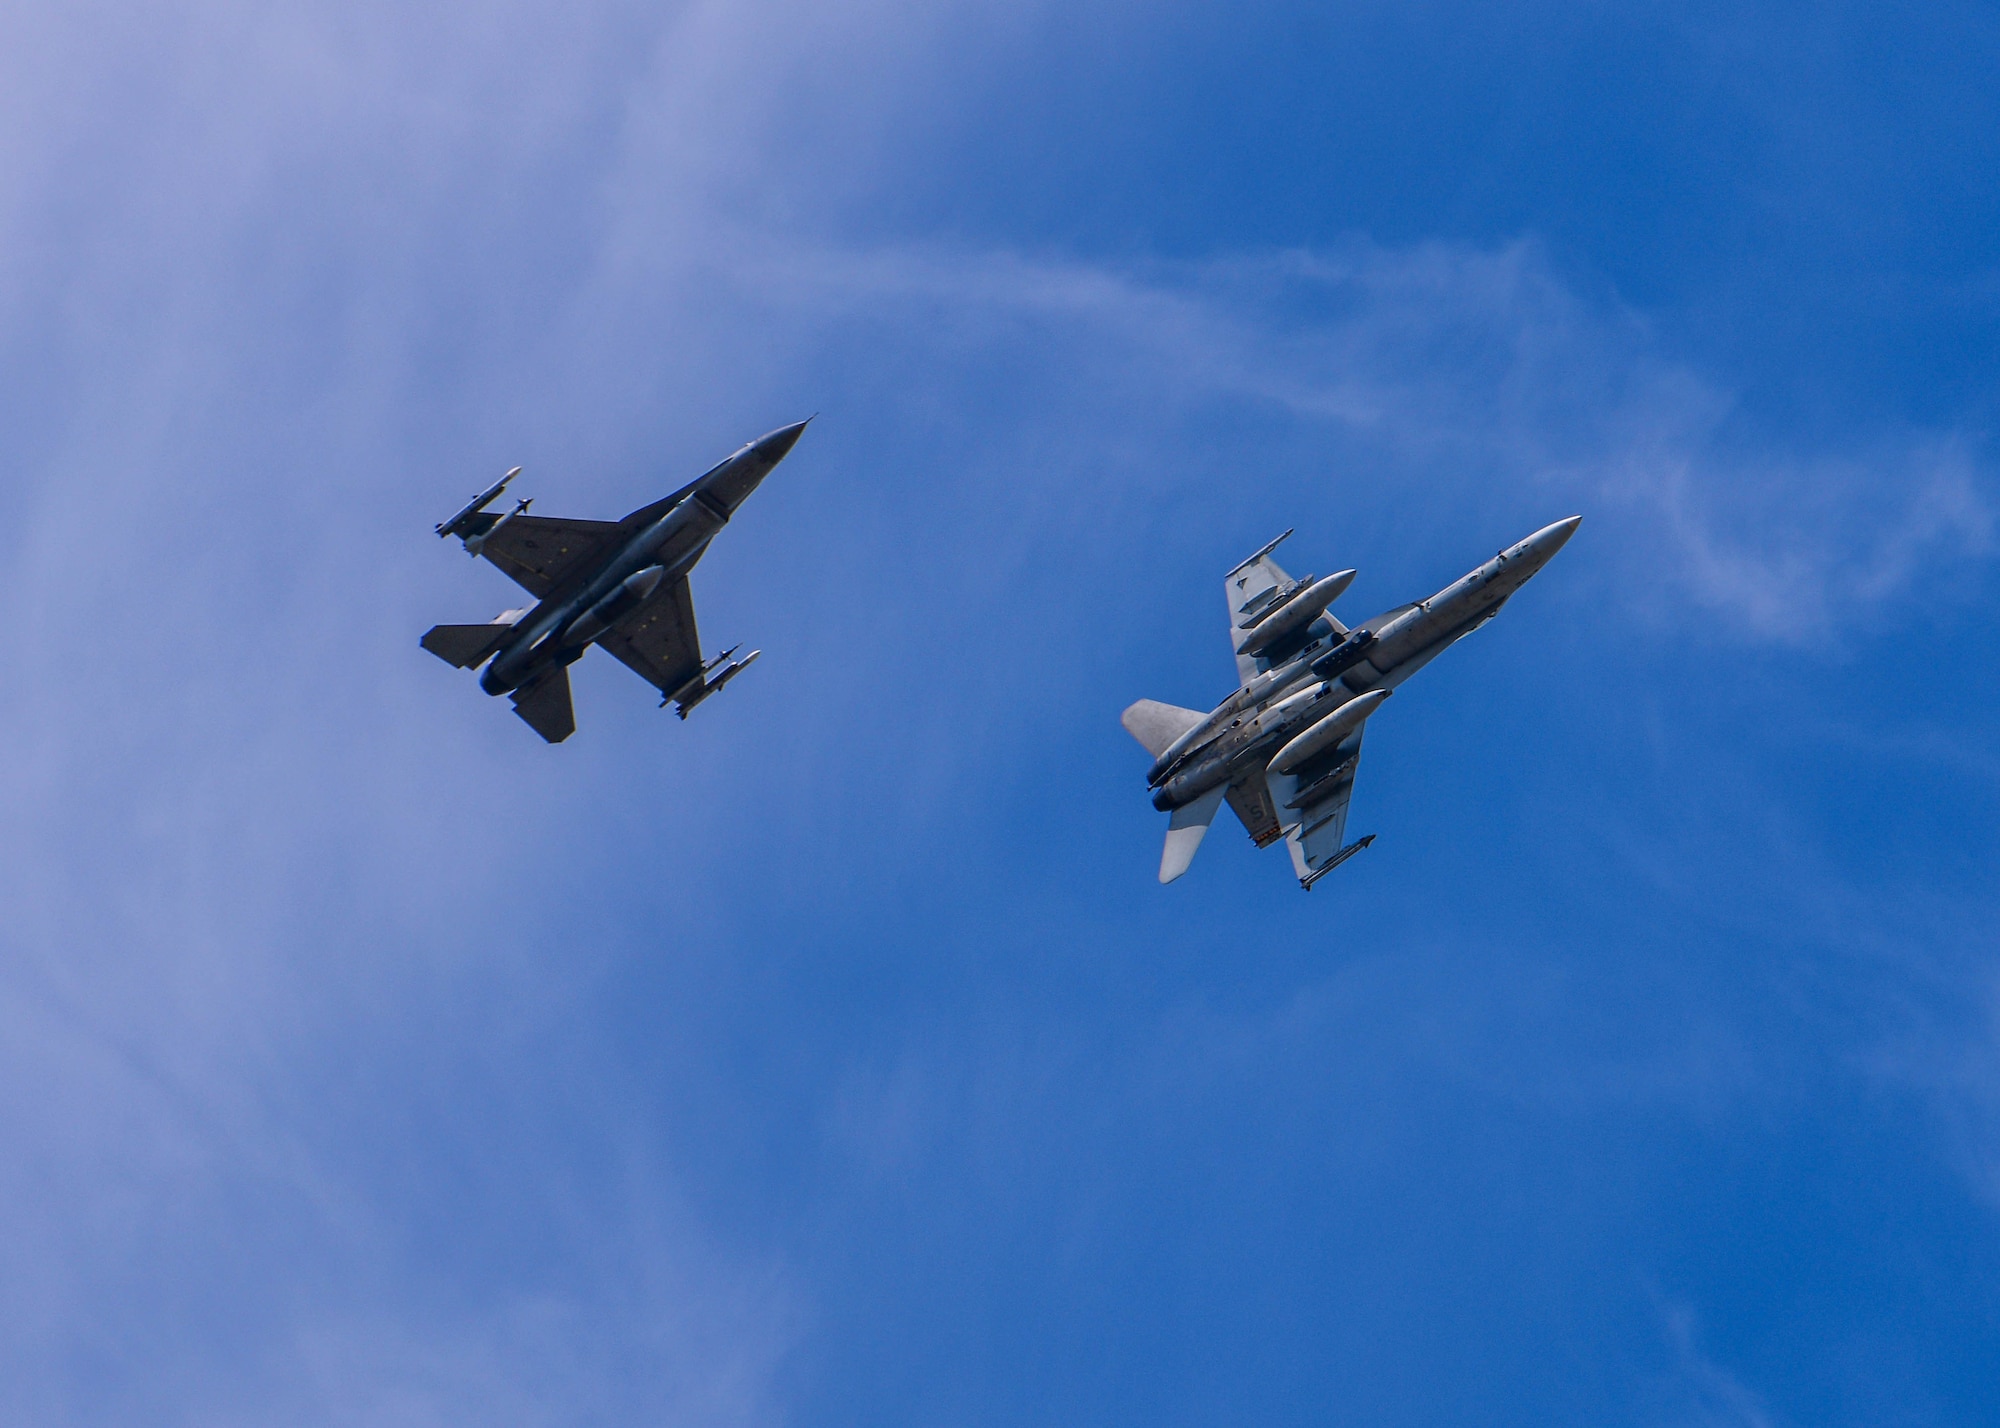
{"x":1317,"y":796}
{"x":659,"y":642}
{"x":539,"y":552}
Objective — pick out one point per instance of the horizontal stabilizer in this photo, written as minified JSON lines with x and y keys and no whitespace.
{"x":1184,"y":833}
{"x":1250,"y":796}
{"x":546,"y":707}
{"x":1157,"y":725}
{"x":465,"y":646}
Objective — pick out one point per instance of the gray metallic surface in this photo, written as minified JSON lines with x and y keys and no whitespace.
{"x":1288,"y":741}
{"x":599,"y":580}
{"x":1294,"y":613}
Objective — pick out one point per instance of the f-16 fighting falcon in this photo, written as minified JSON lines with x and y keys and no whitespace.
{"x":1283,"y":748}
{"x":621,"y":585}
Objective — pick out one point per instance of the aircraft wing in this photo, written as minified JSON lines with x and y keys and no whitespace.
{"x":659,"y":642}
{"x":1318,"y":821}
{"x":1245,"y":587}
{"x":538,"y":552}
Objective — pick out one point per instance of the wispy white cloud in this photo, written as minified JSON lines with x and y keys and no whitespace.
{"x":1944,"y":1056}
{"x":1476,"y":368}
{"x":276,"y":283}
{"x":1702,"y":1393}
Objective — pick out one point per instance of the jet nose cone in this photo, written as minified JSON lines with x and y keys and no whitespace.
{"x":773,"y":447}
{"x":732,"y":482}
{"x":1541,"y":547}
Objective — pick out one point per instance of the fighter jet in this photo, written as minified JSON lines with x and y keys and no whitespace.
{"x":620,"y":585}
{"x":1283,"y":748}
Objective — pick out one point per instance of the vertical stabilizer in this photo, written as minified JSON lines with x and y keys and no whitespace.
{"x":1184,"y":833}
{"x":1158,"y":725}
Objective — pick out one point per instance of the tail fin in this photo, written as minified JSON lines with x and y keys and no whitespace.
{"x":545,"y":705}
{"x":1184,"y":833}
{"x":1157,"y":725}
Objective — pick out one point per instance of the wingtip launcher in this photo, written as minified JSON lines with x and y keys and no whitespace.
{"x":701,"y":686}
{"x":1335,"y":861}
{"x":1260,"y":554}
{"x":458,"y":524}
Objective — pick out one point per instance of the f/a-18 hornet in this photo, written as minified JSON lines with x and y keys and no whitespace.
{"x":1283,"y":748}
{"x":620,"y":585}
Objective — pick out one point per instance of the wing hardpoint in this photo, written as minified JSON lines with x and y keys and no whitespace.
{"x":659,"y":642}
{"x":1313,"y":802}
{"x":1253,"y":588}
{"x":1307,"y":807}
{"x":1248,"y":587}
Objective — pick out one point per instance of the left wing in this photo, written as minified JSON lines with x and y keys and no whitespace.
{"x":1249,"y":588}
{"x":1254,"y":589}
{"x":1316,"y":796}
{"x":659,"y":642}
{"x":540,"y":552}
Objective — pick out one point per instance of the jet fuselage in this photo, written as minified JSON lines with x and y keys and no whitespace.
{"x":569,"y":620}
{"x":1248,"y":727}
{"x":673,"y":544}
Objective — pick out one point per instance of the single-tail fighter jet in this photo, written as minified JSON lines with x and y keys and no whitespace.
{"x":1283,"y":748}
{"x":620,"y":585}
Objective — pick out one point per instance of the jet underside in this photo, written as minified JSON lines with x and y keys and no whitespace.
{"x":1284,"y":749}
{"x":619,"y":585}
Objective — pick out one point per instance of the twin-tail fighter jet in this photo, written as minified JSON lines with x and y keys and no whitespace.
{"x":620,"y":585}
{"x":1283,"y":748}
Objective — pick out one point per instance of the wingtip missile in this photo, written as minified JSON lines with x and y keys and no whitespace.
{"x":1261,"y":553}
{"x":479,"y":503}
{"x":1335,"y":861}
{"x":735,"y":669}
{"x":683,"y":703}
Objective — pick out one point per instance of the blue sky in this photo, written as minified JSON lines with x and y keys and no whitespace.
{"x":834,"y":1058}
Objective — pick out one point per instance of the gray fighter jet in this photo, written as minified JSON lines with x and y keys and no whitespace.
{"x":621,"y":585}
{"x":1283,"y":748}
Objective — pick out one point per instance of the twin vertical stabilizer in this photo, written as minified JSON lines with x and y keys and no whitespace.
{"x":1159,"y":727}
{"x":1185,"y":830}
{"x":1283,"y":748}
